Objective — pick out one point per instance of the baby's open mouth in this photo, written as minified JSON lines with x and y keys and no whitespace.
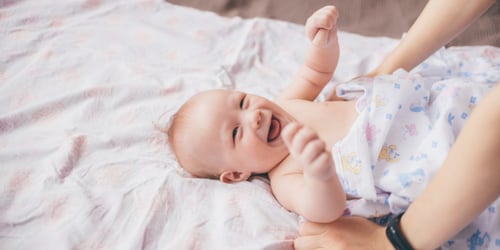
{"x":274,"y":129}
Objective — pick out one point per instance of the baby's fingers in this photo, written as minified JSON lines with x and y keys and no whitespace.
{"x":325,"y":18}
{"x":296,"y":138}
{"x":312,"y":152}
{"x":289,"y":133}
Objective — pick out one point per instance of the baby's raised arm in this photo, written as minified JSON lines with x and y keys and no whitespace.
{"x":316,"y":193}
{"x":321,"y":57}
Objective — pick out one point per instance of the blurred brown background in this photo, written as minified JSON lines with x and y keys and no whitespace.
{"x":372,"y":18}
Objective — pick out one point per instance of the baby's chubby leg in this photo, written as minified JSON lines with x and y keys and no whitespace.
{"x":305,"y":146}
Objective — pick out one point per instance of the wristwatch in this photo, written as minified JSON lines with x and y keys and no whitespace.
{"x":395,"y":236}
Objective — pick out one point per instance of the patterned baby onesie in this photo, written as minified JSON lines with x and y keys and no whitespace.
{"x":406,"y":126}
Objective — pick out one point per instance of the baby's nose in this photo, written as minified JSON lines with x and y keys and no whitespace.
{"x":256,"y":118}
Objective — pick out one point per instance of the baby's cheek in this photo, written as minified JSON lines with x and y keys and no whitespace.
{"x":255,"y":154}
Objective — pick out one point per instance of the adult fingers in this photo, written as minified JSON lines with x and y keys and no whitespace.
{"x":310,"y":228}
{"x":307,"y":243}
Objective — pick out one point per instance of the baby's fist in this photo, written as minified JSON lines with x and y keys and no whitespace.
{"x":305,"y":145}
{"x":321,"y":26}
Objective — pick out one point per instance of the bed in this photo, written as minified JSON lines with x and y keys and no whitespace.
{"x":86,"y":88}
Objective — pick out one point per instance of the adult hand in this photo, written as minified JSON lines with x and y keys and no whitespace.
{"x":345,"y":233}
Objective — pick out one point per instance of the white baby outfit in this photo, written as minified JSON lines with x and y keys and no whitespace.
{"x":407,"y":123}
{"x":406,"y":126}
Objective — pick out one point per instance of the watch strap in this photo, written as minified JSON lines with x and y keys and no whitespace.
{"x":395,"y":235}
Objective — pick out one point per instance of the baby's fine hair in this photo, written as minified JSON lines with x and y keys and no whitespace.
{"x":177,"y":130}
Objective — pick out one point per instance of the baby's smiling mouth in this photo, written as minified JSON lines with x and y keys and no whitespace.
{"x":274,"y":129}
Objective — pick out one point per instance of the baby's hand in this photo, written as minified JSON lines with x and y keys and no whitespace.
{"x":305,"y":145}
{"x":321,"y":27}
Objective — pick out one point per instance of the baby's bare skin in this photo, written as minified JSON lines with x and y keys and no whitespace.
{"x":290,"y":139}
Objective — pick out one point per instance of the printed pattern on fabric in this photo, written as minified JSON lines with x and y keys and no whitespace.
{"x":406,"y":126}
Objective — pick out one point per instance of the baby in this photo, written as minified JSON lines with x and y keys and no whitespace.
{"x":380,"y":150}
{"x":230,"y":135}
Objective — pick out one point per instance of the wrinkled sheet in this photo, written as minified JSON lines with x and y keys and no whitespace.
{"x":85,"y":90}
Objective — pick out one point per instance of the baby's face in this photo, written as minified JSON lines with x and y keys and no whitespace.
{"x":235,"y":131}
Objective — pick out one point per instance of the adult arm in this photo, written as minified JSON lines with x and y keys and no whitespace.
{"x":438,"y":23}
{"x":464,"y":186}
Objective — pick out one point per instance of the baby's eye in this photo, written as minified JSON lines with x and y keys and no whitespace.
{"x":235,"y":132}
{"x":242,"y":101}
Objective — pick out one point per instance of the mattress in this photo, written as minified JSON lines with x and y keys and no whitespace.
{"x":86,"y":90}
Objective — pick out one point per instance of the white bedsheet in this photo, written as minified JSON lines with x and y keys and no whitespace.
{"x":85,"y":87}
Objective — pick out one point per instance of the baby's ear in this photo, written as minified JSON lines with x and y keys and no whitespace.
{"x":233,"y":176}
